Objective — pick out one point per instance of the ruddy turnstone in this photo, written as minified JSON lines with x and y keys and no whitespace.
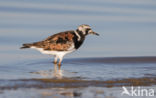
{"x":62,"y":43}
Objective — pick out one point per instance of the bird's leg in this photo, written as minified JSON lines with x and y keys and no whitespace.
{"x":59,"y":64}
{"x":55,"y":60}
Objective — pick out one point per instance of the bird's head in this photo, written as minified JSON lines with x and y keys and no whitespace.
{"x":86,"y":29}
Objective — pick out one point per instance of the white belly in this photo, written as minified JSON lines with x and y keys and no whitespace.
{"x":57,"y":53}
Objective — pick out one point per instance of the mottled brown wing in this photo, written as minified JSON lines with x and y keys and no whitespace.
{"x":58,"y":42}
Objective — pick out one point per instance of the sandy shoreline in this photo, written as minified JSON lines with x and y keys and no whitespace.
{"x":75,"y":83}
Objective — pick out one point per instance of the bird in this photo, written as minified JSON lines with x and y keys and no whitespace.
{"x":62,"y":43}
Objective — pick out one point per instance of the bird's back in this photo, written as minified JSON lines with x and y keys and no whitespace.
{"x":63,"y":41}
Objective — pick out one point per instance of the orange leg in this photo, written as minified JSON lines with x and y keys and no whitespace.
{"x":59,"y":64}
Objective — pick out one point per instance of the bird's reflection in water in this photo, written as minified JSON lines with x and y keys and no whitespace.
{"x":55,"y":73}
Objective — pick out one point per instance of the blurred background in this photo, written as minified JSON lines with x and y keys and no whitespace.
{"x":126,"y":27}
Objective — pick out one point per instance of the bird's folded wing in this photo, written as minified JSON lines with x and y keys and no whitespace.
{"x":59,"y":42}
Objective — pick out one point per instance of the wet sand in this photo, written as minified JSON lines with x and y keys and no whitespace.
{"x":74,"y":83}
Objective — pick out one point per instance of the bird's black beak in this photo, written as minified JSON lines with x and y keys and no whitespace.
{"x":95,"y":33}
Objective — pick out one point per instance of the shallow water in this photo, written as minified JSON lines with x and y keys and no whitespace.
{"x":89,"y":92}
{"x":86,"y":68}
{"x":79,"y":77}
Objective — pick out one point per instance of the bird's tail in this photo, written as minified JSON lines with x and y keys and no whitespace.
{"x":26,"y":46}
